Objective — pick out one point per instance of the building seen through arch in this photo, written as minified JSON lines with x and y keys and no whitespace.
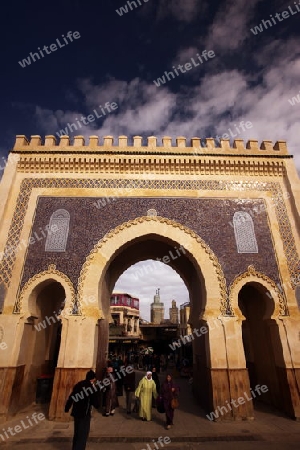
{"x":226,"y":219}
{"x":124,"y":328}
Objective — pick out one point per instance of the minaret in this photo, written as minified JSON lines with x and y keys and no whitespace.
{"x":173,"y":313}
{"x":157,"y":309}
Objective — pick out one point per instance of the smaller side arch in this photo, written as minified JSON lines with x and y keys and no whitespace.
{"x":254,"y":276}
{"x":25,"y":302}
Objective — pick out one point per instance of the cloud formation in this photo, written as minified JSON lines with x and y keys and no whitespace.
{"x":206,"y":109}
{"x":230,"y":26}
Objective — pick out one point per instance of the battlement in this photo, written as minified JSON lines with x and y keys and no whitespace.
{"x":197,"y":145}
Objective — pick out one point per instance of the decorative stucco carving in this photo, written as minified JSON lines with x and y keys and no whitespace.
{"x":152,"y":212}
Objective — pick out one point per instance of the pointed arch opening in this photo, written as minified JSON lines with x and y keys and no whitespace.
{"x":263,"y":348}
{"x":40,"y":342}
{"x":134,"y":242}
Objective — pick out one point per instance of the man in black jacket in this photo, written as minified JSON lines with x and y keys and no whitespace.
{"x":83,"y":397}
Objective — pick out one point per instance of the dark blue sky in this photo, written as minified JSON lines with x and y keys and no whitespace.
{"x":117,"y":58}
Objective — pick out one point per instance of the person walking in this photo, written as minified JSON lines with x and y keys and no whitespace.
{"x":83,"y":396}
{"x":144,"y":392}
{"x":168,"y":391}
{"x":129,"y":387}
{"x":110,"y":400}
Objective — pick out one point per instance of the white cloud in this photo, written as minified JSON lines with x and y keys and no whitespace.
{"x":230,"y":26}
{"x":225,"y":98}
{"x":211,"y":107}
{"x":142,"y":108}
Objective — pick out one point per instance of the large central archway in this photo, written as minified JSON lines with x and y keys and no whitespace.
{"x":152,"y":238}
{"x":153,"y":246}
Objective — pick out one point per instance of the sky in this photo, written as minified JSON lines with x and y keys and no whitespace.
{"x":228,"y":65}
{"x":144,"y":278}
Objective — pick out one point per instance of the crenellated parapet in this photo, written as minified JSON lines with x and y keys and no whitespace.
{"x":196,"y":145}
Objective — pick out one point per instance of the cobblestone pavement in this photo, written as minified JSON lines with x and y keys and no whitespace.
{"x":270,"y":430}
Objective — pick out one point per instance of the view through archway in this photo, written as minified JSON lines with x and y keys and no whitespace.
{"x":141,"y":256}
{"x":149,"y":281}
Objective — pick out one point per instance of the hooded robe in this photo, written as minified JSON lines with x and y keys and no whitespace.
{"x":144,"y":392}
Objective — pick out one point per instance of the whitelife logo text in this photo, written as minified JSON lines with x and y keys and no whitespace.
{"x":24,"y":424}
{"x":183,"y":68}
{"x":279,"y":17}
{"x":101,"y":384}
{"x":53,"y":47}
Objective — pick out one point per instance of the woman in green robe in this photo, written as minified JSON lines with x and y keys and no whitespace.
{"x":144,"y":392}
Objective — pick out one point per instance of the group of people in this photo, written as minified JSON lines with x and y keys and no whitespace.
{"x":85,"y":395}
{"x":149,"y":387}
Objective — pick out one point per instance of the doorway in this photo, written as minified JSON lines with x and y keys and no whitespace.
{"x":40,"y":343}
{"x":262,"y":347}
